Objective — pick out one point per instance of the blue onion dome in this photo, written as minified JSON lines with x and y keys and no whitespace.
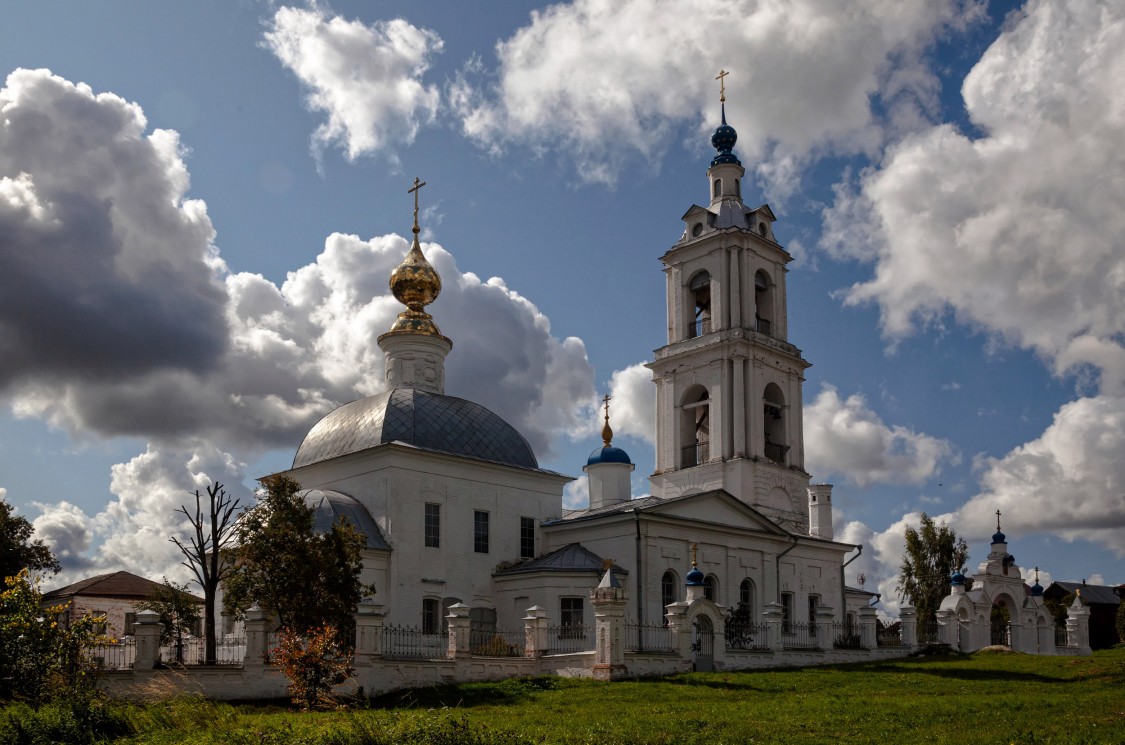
{"x":958,"y":578}
{"x":723,"y":141}
{"x":999,"y":537}
{"x":694,"y":577}
{"x":1037,"y":589}
{"x":608,"y":454}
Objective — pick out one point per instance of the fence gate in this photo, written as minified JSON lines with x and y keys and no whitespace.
{"x":704,"y":645}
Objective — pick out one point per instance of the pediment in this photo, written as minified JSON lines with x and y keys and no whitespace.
{"x":717,"y":507}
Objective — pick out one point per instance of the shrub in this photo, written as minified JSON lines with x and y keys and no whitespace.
{"x":314,"y":663}
{"x":66,"y":721}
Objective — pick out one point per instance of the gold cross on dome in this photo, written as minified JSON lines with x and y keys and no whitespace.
{"x":722,"y":85}
{"x":605,"y":401}
{"x":694,"y":554}
{"x":414,"y":190}
{"x":997,"y":520}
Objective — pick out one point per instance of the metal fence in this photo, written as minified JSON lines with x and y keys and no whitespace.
{"x":1060,"y":637}
{"x":113,"y":656}
{"x":229,"y":651}
{"x":847,"y":636}
{"x":485,"y":640}
{"x":570,"y":637}
{"x":927,"y":632}
{"x":648,"y":637}
{"x":800,"y":636}
{"x":694,"y":455}
{"x":1001,"y":635}
{"x":413,"y":643}
{"x":748,"y":636}
{"x":891,"y":637}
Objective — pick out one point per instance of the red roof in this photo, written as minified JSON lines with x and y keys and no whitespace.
{"x":124,"y":585}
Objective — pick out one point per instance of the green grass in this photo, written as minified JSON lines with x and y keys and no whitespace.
{"x":982,"y":698}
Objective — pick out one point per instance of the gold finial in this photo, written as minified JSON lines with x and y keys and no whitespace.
{"x":997,"y":521}
{"x":722,"y":85}
{"x":1036,"y":575}
{"x":694,"y":554}
{"x":607,"y":433}
{"x":415,"y":284}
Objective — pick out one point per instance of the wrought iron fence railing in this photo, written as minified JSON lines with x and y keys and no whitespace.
{"x":1060,"y":637}
{"x":800,"y":635}
{"x":229,"y":651}
{"x":747,"y":636}
{"x":570,"y":637}
{"x":927,"y":632}
{"x":648,"y":637}
{"x":412,"y":642}
{"x":486,"y":640}
{"x":694,"y":455}
{"x":1001,"y":635}
{"x":699,"y":327}
{"x":888,"y":637}
{"x":113,"y":656}
{"x":847,"y":636}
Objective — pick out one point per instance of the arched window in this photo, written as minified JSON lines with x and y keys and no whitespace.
{"x":773,"y":424}
{"x":711,"y":588}
{"x":718,"y":188}
{"x":763,"y":230}
{"x":668,"y":590}
{"x":699,"y":290}
{"x":746,"y":596}
{"x":695,"y":427}
{"x":738,"y":187}
{"x":763,"y":304}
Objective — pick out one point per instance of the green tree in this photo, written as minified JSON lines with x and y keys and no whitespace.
{"x":39,"y":659}
{"x":933,"y":553}
{"x":179,"y":613}
{"x":1121,"y":622}
{"x":17,"y":550}
{"x":212,"y":531}
{"x":306,"y":579}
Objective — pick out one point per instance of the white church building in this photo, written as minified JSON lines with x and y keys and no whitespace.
{"x":457,"y":509}
{"x":480,"y":572}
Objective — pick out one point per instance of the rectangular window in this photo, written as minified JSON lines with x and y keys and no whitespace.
{"x":433,"y":525}
{"x":430,"y":615}
{"x":814,"y":601}
{"x":130,"y":624}
{"x":571,"y":618}
{"x":480,"y":532}
{"x":787,"y":612}
{"x":527,"y":537}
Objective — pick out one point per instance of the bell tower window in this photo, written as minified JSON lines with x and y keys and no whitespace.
{"x":773,"y":418}
{"x":695,"y":428}
{"x":699,"y":290}
{"x":763,"y":304}
{"x":718,"y":188}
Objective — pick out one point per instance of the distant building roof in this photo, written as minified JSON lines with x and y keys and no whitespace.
{"x":123,"y":585}
{"x":573,"y":557}
{"x":1090,"y":593}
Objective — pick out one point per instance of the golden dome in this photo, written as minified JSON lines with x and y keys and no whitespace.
{"x":415,"y":283}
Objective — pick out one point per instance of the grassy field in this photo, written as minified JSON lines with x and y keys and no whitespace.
{"x":981,"y":698}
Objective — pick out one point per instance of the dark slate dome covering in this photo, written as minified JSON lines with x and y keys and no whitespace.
{"x":329,"y":507}
{"x":426,"y":420}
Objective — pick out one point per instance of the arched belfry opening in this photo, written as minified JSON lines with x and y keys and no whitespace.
{"x":699,"y":292}
{"x":695,"y":427}
{"x":763,"y":304}
{"x":774,"y":424}
{"x":718,"y":188}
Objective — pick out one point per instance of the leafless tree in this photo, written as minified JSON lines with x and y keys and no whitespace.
{"x":212,"y":532}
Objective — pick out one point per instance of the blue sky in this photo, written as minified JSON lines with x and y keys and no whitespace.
{"x":191,"y":287}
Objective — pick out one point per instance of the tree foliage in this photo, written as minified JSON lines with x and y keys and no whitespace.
{"x":178,"y":610}
{"x":933,"y":553}
{"x":211,"y":536}
{"x":17,"y":550}
{"x":314,"y":663}
{"x":307,"y":580}
{"x":1121,"y":622}
{"x":39,"y":658}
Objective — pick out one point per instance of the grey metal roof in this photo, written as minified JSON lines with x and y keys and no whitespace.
{"x":330,"y":506}
{"x":573,"y":557}
{"x":1090,"y":593}
{"x":427,"y":420}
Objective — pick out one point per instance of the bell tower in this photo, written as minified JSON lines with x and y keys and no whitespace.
{"x":729,"y":405}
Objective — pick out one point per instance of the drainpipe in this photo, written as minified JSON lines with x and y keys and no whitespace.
{"x":640,"y":604}
{"x":777,"y":569}
{"x":843,"y":585}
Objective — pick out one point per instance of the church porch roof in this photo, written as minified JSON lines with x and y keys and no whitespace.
{"x":573,"y":557}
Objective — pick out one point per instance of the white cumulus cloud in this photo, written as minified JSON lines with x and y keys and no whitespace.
{"x":610,"y":83}
{"x":365,"y":79}
{"x":844,"y":437}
